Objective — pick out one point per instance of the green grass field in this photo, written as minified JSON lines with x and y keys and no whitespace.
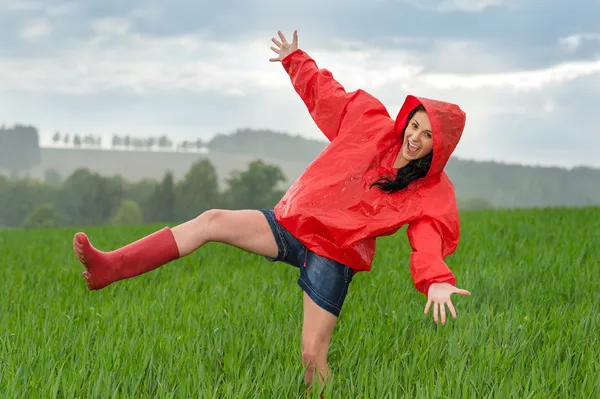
{"x":222,"y":323}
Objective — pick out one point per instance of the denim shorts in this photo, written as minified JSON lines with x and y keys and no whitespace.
{"x":325,"y":281}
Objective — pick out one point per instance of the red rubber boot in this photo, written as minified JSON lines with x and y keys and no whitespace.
{"x":141,"y":256}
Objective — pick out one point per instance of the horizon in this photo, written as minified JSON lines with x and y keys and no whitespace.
{"x":206,"y":150}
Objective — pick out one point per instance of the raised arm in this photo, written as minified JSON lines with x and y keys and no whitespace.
{"x":326,"y":100}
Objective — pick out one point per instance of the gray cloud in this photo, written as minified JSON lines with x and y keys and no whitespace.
{"x":526,"y":29}
{"x":194,"y":69}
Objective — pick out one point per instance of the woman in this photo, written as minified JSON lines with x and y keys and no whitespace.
{"x":375,"y":176}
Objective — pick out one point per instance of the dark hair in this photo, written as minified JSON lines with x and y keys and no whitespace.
{"x":414,"y":170}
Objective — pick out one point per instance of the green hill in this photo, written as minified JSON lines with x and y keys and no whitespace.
{"x":503,"y":185}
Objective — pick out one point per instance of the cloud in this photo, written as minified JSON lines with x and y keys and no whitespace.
{"x":193,"y":69}
{"x":111,"y":26}
{"x":118,"y":58}
{"x":472,"y":6}
{"x":518,"y":80}
{"x":573,"y":42}
{"x":22,"y":5}
{"x":35,"y":29}
{"x":48,"y":7}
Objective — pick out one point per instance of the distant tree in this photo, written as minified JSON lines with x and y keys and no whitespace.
{"x":77,"y":141}
{"x":164,"y":142}
{"x":56,"y":137}
{"x":21,"y":197}
{"x":19,"y":148}
{"x":161,"y":204}
{"x":184,"y":145}
{"x":256,"y":187}
{"x":129,"y":213}
{"x":43,"y":216}
{"x":127,"y":141}
{"x":140,"y":191}
{"x":198,"y":191}
{"x":89,"y":140}
{"x":151,"y":142}
{"x":66,"y":138}
{"x":87,"y":198}
{"x":52,"y":177}
{"x":110,"y":194}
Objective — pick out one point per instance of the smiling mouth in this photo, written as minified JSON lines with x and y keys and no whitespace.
{"x":412,"y":148}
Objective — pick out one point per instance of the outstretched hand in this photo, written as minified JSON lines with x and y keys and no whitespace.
{"x":283,"y":47}
{"x":439,"y":295}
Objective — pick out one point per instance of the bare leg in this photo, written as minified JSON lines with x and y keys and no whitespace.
{"x":245,"y":229}
{"x":317,"y":331}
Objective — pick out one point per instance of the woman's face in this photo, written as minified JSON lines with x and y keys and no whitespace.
{"x":418,"y":141}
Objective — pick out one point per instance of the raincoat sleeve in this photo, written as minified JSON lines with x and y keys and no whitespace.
{"x":427,"y":264}
{"x":327,"y":101}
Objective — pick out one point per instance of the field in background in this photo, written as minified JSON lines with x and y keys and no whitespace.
{"x":140,"y":165}
{"x":222,"y":323}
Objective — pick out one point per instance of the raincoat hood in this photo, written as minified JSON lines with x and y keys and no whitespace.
{"x":447,"y":124}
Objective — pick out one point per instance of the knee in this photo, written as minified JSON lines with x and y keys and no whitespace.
{"x":209,"y":218}
{"x":212,"y":223}
{"x":210,"y":215}
{"x":311,"y":352}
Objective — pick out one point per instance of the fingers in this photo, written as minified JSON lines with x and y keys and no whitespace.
{"x":283,"y":40}
{"x":283,"y":45}
{"x":452,"y":311}
{"x":276,"y":50}
{"x":427,"y":306}
{"x":439,"y":310}
{"x":462,"y":292}
{"x":443,"y":311}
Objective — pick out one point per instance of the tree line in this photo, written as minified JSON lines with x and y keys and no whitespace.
{"x":86,"y":198}
{"x":260,"y":142}
{"x":503,"y":185}
{"x":20,"y":147}
{"x":127,"y":142}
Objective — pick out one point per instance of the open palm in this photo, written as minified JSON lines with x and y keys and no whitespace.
{"x":439,"y":295}
{"x":283,"y":47}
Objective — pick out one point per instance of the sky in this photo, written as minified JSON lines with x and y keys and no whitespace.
{"x":526,"y":72}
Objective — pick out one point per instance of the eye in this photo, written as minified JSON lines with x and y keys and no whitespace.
{"x":414,"y":125}
{"x":428,"y":135}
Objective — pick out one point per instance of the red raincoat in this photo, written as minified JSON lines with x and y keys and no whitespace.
{"x":332,"y":210}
